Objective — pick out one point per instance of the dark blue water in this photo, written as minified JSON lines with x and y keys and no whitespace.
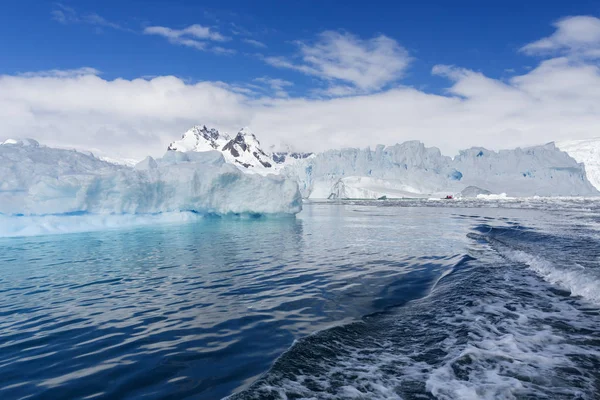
{"x":360,"y":300}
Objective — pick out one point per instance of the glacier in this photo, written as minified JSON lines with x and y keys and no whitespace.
{"x":39,"y":181}
{"x":585,"y":151}
{"x":412,"y":170}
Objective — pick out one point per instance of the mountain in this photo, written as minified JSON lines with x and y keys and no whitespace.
{"x":586,"y":152}
{"x":243,"y":150}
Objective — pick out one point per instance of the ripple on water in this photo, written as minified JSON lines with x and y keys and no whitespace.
{"x":206,"y":308}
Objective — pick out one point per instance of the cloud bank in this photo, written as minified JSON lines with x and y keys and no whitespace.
{"x":557,"y":100}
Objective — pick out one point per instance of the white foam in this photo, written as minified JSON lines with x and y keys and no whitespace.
{"x":498,"y":345}
{"x":574,"y":278}
{"x":507,"y":355}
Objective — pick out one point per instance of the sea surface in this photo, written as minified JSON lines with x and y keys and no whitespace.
{"x":349,"y":300}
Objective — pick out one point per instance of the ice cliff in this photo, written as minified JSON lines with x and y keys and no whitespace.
{"x":586,"y":152}
{"x":38,"y":180}
{"x":412,"y":170}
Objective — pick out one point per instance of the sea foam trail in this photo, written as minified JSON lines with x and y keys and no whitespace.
{"x":491,"y":329}
{"x":534,"y":249}
{"x":483,"y":344}
{"x":577,"y":279}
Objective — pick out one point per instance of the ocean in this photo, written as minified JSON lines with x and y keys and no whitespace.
{"x":349,"y":300}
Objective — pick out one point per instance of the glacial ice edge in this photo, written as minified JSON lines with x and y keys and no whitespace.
{"x":44,"y":184}
{"x":412,"y":170}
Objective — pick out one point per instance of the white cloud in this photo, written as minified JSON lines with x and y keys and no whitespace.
{"x":194,"y":36}
{"x":335,"y":91}
{"x":67,"y":15}
{"x":255,"y":43}
{"x":125,"y":117}
{"x":195,"y":44}
{"x":62,"y":73}
{"x":222,"y":50}
{"x":278,"y":86}
{"x":558,"y":99}
{"x":579,"y":35}
{"x":368,"y":65}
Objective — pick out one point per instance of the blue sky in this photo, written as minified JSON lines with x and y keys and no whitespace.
{"x":306,"y":74}
{"x":483,"y":36}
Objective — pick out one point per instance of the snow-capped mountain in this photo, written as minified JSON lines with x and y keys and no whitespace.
{"x":200,"y":138}
{"x":587,"y":152}
{"x":243,"y":150}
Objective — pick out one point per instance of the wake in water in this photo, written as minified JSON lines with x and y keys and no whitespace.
{"x":444,"y":303}
{"x":492,"y":329}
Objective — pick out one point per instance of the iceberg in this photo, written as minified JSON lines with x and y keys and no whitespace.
{"x":412,"y":170}
{"x":41,"y":181}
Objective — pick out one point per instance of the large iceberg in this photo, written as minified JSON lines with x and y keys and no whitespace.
{"x":38,"y":180}
{"x":412,"y":170}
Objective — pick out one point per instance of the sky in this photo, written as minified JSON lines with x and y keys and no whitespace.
{"x":125,"y":78}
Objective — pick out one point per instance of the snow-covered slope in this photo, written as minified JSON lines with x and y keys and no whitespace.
{"x":412,"y":170}
{"x":244,"y":150}
{"x":38,"y":180}
{"x":586,"y":152}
